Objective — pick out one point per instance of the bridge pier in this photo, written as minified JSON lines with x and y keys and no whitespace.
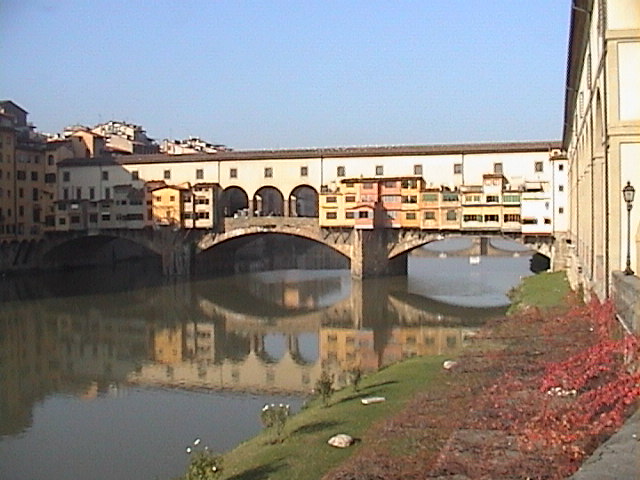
{"x":370,"y":255}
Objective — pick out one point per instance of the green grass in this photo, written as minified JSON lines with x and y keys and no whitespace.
{"x":304,"y":453}
{"x":544,"y":290}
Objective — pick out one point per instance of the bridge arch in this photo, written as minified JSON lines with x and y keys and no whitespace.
{"x":234,"y":200}
{"x":268,"y":201}
{"x":303,"y":202}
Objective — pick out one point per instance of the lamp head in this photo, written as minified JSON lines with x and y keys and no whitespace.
{"x":628,"y":192}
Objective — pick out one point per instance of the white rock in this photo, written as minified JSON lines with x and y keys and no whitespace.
{"x":449,"y":364}
{"x":342,"y":440}
{"x":370,"y":400}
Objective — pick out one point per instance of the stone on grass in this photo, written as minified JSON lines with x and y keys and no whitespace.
{"x":449,"y":364}
{"x":342,"y":440}
{"x":370,"y":400}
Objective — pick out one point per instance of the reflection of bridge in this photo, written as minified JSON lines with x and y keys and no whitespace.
{"x":372,"y":253}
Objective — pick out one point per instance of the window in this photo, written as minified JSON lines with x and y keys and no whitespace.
{"x":79,"y":193}
{"x":547,"y":221}
{"x":511,"y":198}
{"x":457,"y":168}
{"x":350,"y":198}
{"x":105,"y":217}
{"x":561,"y":188}
{"x":417,"y":169}
{"x":304,"y":171}
{"x":430,"y":215}
{"x":529,"y":221}
{"x":93,"y":218}
{"x":65,"y":194}
{"x":268,"y":172}
{"x":66,"y":176}
{"x":449,"y":197}
{"x":409,"y":199}
{"x":340,"y":172}
{"x":367,"y":186}
{"x":472,"y":218}
{"x":135,"y":175}
{"x":62,"y":221}
{"x":497,"y":168}
{"x":560,"y":209}
{"x":199,"y":174}
{"x":21,"y":175}
{"x":35,"y":195}
{"x":21,"y":211}
{"x":472,"y":198}
{"x":21,"y":192}
{"x":107,"y":193}
{"x":452,"y":215}
{"x":167,"y":174}
{"x":429,"y":197}
{"x":537,"y":167}
{"x":233,"y":173}
{"x":391,"y":198}
{"x":410,"y":216}
{"x":105,"y":175}
{"x":34,"y":176}
{"x":92,"y":193}
{"x":409,"y":183}
{"x":50,"y":160}
{"x":349,"y":215}
{"x":491,"y":218}
{"x":332,"y":215}
{"x":363,"y":214}
{"x":379,"y":170}
{"x":511,"y":217}
{"x":332,"y":199}
{"x":75,"y":219}
{"x":561,"y":167}
{"x":50,"y":178}
{"x":172,"y":198}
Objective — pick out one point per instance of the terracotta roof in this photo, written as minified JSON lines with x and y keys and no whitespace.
{"x":333,"y":152}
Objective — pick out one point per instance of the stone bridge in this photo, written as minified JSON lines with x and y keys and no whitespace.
{"x":372,"y":253}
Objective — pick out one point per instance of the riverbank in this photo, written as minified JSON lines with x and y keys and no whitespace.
{"x":532,"y":397}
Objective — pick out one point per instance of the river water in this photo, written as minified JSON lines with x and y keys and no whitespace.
{"x":110,"y":374}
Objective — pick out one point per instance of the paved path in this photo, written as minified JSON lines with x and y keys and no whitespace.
{"x":616,"y":459}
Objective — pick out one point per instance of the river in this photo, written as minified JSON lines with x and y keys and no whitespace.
{"x":111,"y":373}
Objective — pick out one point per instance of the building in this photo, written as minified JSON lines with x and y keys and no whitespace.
{"x":602,"y":139}
{"x":125,"y":138}
{"x":25,"y":197}
{"x":190,"y":145}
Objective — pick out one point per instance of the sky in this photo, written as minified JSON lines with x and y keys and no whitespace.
{"x":291,"y":74}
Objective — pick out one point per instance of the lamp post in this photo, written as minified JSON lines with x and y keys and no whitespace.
{"x":628,"y":192}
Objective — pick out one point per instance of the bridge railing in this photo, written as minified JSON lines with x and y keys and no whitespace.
{"x":246,"y":222}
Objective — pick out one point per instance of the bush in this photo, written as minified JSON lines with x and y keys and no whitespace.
{"x":324,"y":387}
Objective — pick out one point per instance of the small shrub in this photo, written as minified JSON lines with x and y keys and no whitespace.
{"x":204,"y":464}
{"x":324,"y":387}
{"x":355,"y":375}
{"x":275,"y":416}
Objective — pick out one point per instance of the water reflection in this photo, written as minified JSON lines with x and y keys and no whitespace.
{"x":255,"y":335}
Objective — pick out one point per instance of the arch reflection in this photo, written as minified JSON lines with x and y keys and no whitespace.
{"x":271,"y":332}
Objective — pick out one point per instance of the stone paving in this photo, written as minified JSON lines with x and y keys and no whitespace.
{"x":616,"y":459}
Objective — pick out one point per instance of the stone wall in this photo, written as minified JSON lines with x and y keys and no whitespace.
{"x":626,"y":297}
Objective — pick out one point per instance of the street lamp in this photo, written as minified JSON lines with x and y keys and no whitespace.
{"x":628,"y":192}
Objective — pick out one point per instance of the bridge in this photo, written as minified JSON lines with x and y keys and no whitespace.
{"x":371,"y":253}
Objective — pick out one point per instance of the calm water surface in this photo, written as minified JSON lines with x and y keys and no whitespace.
{"x":111,"y":374}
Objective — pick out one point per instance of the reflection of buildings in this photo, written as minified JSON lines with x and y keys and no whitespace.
{"x":205,"y":337}
{"x":344,"y":349}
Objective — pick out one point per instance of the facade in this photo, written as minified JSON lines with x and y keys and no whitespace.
{"x":602,"y":139}
{"x":125,"y":138}
{"x":188,"y":146}
{"x":298,"y":182}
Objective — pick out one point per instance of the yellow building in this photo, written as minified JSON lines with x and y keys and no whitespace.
{"x":168,"y":205}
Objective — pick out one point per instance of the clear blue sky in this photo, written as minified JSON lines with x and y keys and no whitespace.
{"x":286,"y":74}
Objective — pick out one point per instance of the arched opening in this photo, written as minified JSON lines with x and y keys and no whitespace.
{"x":303,"y":202}
{"x":268,"y":201}
{"x":235,"y":202}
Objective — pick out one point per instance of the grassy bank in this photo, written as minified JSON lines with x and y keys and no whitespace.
{"x":303,"y":451}
{"x":544,"y":290}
